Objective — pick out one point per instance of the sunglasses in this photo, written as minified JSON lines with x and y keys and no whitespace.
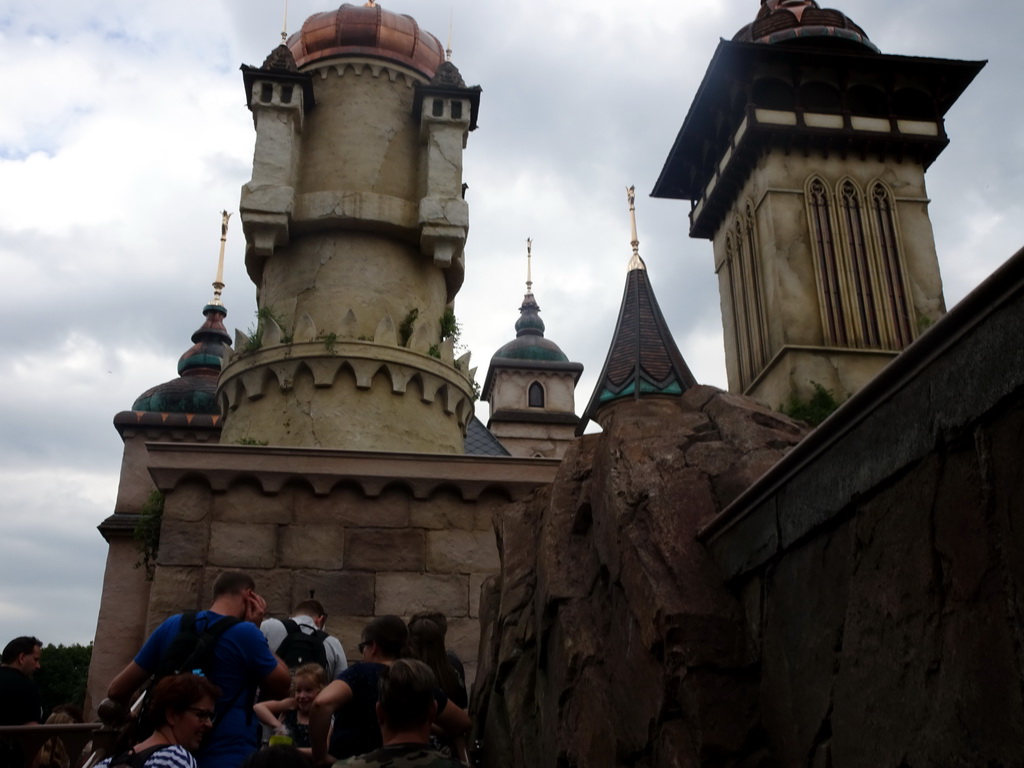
{"x":204,"y":715}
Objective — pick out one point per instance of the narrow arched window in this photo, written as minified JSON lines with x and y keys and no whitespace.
{"x":760,"y":343}
{"x":891,"y":266}
{"x":819,"y":210}
{"x":865,"y":308}
{"x":739,"y":307}
{"x":535,"y":395}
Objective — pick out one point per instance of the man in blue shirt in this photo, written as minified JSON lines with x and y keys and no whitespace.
{"x":241,"y":661}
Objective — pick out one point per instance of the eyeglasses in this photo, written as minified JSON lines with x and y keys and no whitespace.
{"x":204,"y":715}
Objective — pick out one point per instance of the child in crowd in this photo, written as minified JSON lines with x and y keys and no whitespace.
{"x":291,"y":715}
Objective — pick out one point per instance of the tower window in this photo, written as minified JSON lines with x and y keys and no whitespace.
{"x":266,"y":92}
{"x":893,"y":292}
{"x":286,"y":94}
{"x":535,"y":395}
{"x":456,"y":110}
{"x":869,"y":333}
{"x":437,"y":108}
{"x":826,"y":263}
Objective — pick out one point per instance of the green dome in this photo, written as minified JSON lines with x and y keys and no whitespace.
{"x":529,"y":343}
{"x":195,"y":389}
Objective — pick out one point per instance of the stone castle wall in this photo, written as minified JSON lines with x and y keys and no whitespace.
{"x":880,"y":564}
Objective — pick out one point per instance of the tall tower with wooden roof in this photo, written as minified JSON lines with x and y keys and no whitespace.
{"x":803,"y":156}
{"x":643,"y":360}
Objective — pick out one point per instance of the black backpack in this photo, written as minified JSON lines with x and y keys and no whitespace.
{"x":191,"y":650}
{"x":298,"y":648}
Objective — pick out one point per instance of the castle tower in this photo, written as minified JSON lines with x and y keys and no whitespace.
{"x":531,"y":387}
{"x":182,"y":411}
{"x":643,"y":359}
{"x":355,"y":225}
{"x":803,"y":155}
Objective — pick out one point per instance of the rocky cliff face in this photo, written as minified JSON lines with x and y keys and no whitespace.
{"x":609,"y":638}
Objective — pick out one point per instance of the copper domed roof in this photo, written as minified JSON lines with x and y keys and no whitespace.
{"x":367,"y":30}
{"x":787,"y":21}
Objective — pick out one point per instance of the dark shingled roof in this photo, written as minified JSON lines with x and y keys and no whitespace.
{"x":643,"y":359}
{"x":481,"y":442}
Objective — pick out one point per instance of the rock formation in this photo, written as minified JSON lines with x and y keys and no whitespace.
{"x":610,"y":638}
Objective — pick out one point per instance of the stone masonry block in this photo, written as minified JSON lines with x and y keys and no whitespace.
{"x":342,"y":593}
{"x":462,"y":552}
{"x":348,"y":506}
{"x":190,"y":501}
{"x":476,"y":581}
{"x":237,"y":545}
{"x":463,"y":637}
{"x":446,"y":513}
{"x":246,"y":503}
{"x":183,"y":542}
{"x":349,"y":630}
{"x":404,"y":594}
{"x":174,"y":590}
{"x":312,"y":546}
{"x":387,"y":549}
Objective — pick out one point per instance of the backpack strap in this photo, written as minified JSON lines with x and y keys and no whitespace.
{"x":210,"y":635}
{"x":290,"y":627}
{"x":136,"y":759}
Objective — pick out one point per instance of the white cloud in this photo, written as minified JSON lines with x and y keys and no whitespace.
{"x":124,"y":133}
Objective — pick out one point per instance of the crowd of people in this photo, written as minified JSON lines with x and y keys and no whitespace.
{"x":228,"y":687}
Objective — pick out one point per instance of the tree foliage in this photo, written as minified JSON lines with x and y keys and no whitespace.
{"x":62,"y":675}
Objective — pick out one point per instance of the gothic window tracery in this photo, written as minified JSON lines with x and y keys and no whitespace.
{"x":892,"y":276}
{"x":826,"y":263}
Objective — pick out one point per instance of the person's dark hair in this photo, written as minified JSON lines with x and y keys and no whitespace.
{"x":406,"y":691}
{"x":232,"y":583}
{"x":178,"y":693}
{"x":389,"y":633}
{"x":435,"y":616}
{"x":312,"y":608}
{"x":277,"y":756}
{"x":426,"y":643}
{"x":18,"y":646}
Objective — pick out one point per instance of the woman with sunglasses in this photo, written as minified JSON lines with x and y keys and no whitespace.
{"x":352,"y":698}
{"x":182,"y":709}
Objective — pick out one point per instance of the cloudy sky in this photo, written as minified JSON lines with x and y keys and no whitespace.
{"x":123,"y":133}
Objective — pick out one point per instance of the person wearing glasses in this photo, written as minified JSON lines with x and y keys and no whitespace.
{"x":241,"y":661}
{"x":352,"y":698}
{"x":182,"y":708}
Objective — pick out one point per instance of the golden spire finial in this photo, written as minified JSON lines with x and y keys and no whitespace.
{"x":284,"y":26}
{"x":451,"y":21}
{"x":529,"y":256}
{"x":218,"y":282}
{"x":635,"y":262}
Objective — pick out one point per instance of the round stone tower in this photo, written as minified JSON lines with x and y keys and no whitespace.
{"x":355,"y":225}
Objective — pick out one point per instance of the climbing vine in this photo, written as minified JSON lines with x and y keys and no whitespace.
{"x":147,"y":533}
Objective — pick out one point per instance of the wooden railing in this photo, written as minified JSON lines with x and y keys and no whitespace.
{"x":76,"y":737}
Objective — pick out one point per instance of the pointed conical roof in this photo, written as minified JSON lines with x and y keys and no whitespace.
{"x":643,"y":359}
